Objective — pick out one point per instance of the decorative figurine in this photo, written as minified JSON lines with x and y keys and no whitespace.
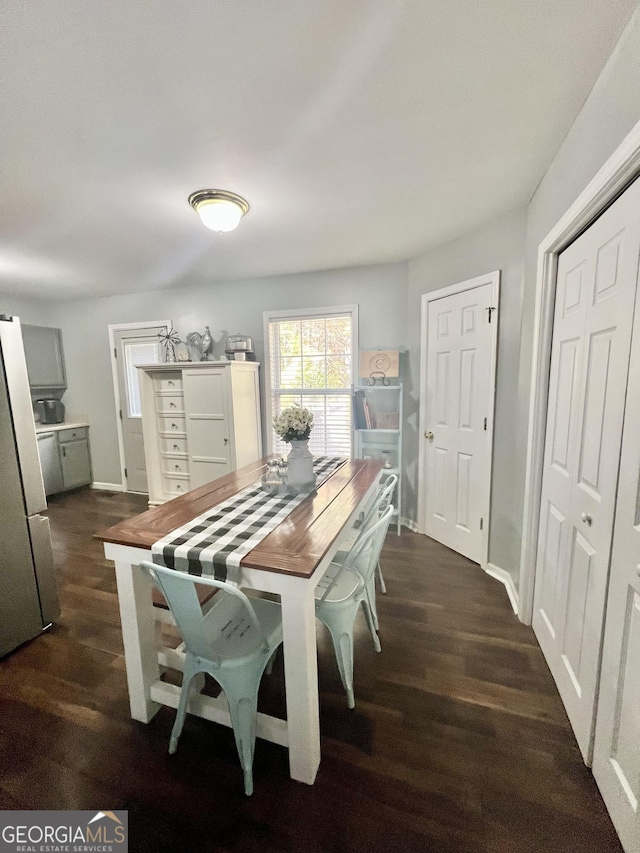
{"x":170,"y":339}
{"x":202,"y":344}
{"x":206,"y":344}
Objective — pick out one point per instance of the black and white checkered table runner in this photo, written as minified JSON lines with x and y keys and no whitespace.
{"x":216,"y":541}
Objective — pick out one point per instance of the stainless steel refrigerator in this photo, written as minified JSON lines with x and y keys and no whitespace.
{"x":28,"y":599}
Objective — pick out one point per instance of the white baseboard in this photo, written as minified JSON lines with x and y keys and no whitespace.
{"x":107,"y":487}
{"x":410,"y":523}
{"x":504,"y":577}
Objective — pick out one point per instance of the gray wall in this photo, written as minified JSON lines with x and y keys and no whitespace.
{"x":608,"y":115}
{"x":499,"y":245}
{"x":380,"y":292}
{"x":28,"y":310}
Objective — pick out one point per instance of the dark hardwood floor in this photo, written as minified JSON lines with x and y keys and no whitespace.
{"x":458,"y":742}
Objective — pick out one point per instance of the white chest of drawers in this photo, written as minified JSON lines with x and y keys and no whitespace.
{"x":199,"y":421}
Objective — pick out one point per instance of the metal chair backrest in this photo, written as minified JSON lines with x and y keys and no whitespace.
{"x":365,"y":554}
{"x":380,"y":502}
{"x":179,"y":590}
{"x":385,"y":496}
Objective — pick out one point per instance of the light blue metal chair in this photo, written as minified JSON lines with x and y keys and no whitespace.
{"x":233,"y":641}
{"x":343,"y":588}
{"x":382,"y":500}
{"x":385,"y":498}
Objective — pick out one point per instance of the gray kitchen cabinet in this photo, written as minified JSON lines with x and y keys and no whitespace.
{"x":45,"y":358}
{"x":50,"y":462}
{"x":65,"y":458}
{"x":74,"y":456}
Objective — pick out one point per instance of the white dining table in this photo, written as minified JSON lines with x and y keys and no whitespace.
{"x":288,"y":562}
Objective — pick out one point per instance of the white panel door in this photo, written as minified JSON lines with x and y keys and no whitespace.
{"x":616,"y":755}
{"x":205,"y":398}
{"x":595,"y":295}
{"x":459,"y":363}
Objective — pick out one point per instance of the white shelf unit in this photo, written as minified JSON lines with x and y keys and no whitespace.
{"x":385,"y":402}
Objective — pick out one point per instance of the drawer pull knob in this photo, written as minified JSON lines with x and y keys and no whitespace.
{"x":171,"y":382}
{"x":175,"y":447}
{"x":177,"y":467}
{"x":179,"y":488}
{"x":174,"y":426}
{"x":172,"y":405}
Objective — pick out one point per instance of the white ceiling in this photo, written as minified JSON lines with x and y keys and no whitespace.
{"x":360,"y":131}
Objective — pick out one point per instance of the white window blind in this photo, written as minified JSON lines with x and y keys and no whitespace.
{"x":311,"y":365}
{"x":137,"y":352}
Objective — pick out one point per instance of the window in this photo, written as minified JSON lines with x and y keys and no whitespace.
{"x":310,"y":363}
{"x":137,"y":352}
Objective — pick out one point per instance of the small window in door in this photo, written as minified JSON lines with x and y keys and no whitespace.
{"x":136,"y":353}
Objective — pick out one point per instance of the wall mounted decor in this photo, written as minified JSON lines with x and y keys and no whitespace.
{"x":379,"y":365}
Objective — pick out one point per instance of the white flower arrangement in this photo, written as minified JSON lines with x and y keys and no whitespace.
{"x":294,"y":423}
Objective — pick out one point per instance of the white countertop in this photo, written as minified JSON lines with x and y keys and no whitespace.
{"x":56,"y":427}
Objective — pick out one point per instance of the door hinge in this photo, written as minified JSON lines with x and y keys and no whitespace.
{"x":490,"y":311}
{"x":115,"y":352}
{"x":481,"y":523}
{"x":485,"y":423}
{"x":125,"y":473}
{"x":120,"y":412}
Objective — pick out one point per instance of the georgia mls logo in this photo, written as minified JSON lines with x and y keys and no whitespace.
{"x":100,"y":815}
{"x":117,"y":831}
{"x":63,"y":832}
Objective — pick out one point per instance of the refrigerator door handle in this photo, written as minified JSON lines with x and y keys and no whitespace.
{"x":44,"y":567}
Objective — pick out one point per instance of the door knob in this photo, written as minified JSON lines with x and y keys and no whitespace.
{"x":226,"y":441}
{"x":586,"y":518}
{"x":428,"y":434}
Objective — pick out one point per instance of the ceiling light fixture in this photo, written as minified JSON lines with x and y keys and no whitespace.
{"x":219,"y":210}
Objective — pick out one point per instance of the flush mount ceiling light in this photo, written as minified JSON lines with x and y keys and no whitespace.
{"x":219,"y":210}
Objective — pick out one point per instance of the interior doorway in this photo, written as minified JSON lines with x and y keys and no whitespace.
{"x":132,"y":344}
{"x":457,"y":392}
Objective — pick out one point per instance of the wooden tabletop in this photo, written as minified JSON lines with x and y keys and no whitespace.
{"x":295,"y":547}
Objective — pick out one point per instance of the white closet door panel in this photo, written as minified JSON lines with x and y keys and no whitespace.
{"x":595,"y":298}
{"x":206,"y":406}
{"x":205,"y":392}
{"x":616,"y":756}
{"x":247,"y":428}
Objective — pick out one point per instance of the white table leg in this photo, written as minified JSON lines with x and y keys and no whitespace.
{"x":301,"y":679}
{"x":139,"y":636}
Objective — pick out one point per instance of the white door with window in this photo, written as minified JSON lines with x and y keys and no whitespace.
{"x":595,"y":293}
{"x":134,"y":346}
{"x":310,"y":357}
{"x":459,"y":358}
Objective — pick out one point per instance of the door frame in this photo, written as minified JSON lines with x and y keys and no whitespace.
{"x":622,"y":167}
{"x":492,"y":278}
{"x":122,"y":327}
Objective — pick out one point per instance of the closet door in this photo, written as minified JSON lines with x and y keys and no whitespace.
{"x":616,"y":756}
{"x":595,"y":295}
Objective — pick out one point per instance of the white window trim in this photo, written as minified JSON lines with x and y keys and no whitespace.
{"x":307,"y":313}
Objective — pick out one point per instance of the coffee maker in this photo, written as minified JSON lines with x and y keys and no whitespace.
{"x":50,"y":411}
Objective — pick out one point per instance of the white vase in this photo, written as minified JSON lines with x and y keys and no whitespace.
{"x":300,"y":474}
